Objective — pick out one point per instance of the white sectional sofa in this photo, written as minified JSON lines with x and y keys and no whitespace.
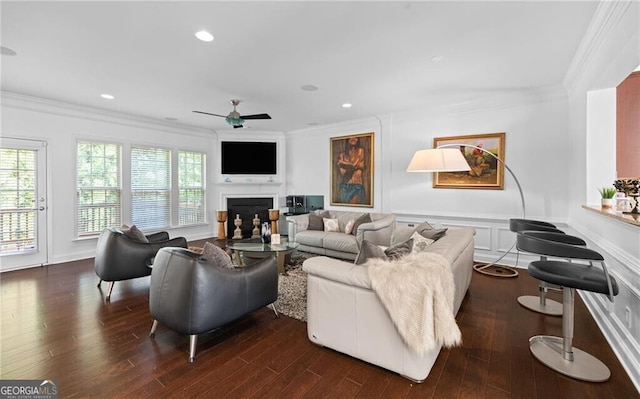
{"x":344,"y":313}
{"x":339,"y":244}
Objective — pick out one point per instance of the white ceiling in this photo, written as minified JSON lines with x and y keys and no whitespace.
{"x":375,"y":55}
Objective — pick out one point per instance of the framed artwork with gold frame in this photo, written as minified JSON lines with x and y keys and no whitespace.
{"x":352,"y":170}
{"x":486,"y":172}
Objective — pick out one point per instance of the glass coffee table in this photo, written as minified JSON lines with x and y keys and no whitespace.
{"x":245,"y":248}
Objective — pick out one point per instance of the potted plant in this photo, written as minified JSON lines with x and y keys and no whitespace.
{"x":608,"y":195}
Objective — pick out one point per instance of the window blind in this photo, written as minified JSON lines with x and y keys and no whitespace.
{"x":150,"y":187}
{"x":98,"y":187}
{"x":191,"y":188}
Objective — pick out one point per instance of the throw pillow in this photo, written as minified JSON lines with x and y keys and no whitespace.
{"x":216,"y":255}
{"x":369,"y":250}
{"x":330,"y":224}
{"x":134,"y":233}
{"x":315,"y":220}
{"x":399,"y":250}
{"x":434,"y":234}
{"x":366,"y":218}
{"x":349,"y":227}
{"x":420,"y":243}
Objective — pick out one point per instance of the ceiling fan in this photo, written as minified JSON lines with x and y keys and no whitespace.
{"x":234,"y":118}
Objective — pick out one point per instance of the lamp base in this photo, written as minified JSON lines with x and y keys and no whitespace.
{"x":495,"y":270}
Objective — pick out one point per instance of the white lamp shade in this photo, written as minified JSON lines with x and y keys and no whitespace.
{"x":438,"y":160}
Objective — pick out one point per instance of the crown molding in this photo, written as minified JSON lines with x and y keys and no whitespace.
{"x":607,"y":15}
{"x":55,"y":107}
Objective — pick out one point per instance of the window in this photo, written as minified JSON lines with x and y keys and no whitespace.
{"x":191,"y":209}
{"x":98,"y":187}
{"x":150,"y":187}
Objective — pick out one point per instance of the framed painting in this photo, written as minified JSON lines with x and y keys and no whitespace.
{"x":486,"y":171}
{"x":352,"y":170}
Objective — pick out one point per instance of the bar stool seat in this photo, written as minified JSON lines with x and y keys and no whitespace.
{"x":541,"y":303}
{"x":558,"y":353}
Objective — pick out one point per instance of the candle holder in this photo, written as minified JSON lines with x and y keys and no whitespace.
{"x":222,"y":218}
{"x":274,"y":215}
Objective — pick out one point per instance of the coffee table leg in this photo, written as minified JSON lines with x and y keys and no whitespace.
{"x":280,"y":259}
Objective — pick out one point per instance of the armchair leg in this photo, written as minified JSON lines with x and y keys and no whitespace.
{"x":273,"y":307}
{"x":99,"y":283}
{"x":193,"y":341}
{"x":111,"y":283}
{"x":152,"y":333}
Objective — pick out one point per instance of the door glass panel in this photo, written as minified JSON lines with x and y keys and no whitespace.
{"x":17,"y":200}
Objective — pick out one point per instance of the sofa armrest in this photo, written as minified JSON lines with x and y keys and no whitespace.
{"x":337,"y":270}
{"x":295,"y":224}
{"x":378,"y":231}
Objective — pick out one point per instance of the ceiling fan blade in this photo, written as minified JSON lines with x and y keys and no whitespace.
{"x":208,"y":113}
{"x":256,"y":116}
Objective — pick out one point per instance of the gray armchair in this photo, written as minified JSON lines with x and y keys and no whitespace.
{"x":191,"y":295}
{"x":118,"y":257}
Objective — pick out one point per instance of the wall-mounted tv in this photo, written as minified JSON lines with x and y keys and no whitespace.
{"x":248,"y":158}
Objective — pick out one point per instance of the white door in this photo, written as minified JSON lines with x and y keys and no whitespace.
{"x":23,"y":203}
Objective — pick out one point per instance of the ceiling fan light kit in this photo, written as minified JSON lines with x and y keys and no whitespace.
{"x":234,"y":118}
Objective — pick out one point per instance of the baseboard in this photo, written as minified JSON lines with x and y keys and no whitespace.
{"x":624,"y":345}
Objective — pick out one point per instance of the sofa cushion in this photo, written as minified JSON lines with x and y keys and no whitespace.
{"x":331,"y":224}
{"x":366,"y":218}
{"x":340,"y":242}
{"x":398,"y":251}
{"x":216,"y":255}
{"x":349,"y":226}
{"x":403,"y":233}
{"x":420,"y":243}
{"x":134,"y":233}
{"x":344,"y":217}
{"x":369,"y":250}
{"x":312,"y":238}
{"x":434,"y":234}
{"x":315,"y":222}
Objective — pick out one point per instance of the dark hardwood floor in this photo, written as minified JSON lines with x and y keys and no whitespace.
{"x":55,"y":324}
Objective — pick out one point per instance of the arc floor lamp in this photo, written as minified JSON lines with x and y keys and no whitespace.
{"x":450,"y":158}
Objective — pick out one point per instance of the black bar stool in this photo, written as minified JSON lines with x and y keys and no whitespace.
{"x":555,"y":352}
{"x":541,"y":303}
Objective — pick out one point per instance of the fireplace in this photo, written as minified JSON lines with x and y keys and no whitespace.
{"x":247,"y":208}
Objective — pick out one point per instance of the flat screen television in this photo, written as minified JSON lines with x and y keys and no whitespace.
{"x":248,"y":158}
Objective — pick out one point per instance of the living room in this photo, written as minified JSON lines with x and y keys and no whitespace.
{"x":554,"y":143}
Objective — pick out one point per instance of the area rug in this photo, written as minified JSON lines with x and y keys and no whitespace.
{"x":292,"y":287}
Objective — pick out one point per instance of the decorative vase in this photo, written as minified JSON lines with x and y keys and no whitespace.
{"x":608,"y":203}
{"x":266,"y":233}
{"x":274,"y":215}
{"x":222,"y":218}
{"x":255,"y":233}
{"x":237,"y":233}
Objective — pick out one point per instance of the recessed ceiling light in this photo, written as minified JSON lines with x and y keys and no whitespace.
{"x":107,"y":96}
{"x":437,"y":58}
{"x":309,"y":87}
{"x":204,"y":36}
{"x":6,"y":51}
{"x":346,"y":105}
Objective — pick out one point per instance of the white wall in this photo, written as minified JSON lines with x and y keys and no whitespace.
{"x":60,"y":126}
{"x":537,"y":147}
{"x":608,"y":54}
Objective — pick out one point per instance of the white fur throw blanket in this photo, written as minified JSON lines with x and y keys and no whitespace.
{"x":404,"y":287}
